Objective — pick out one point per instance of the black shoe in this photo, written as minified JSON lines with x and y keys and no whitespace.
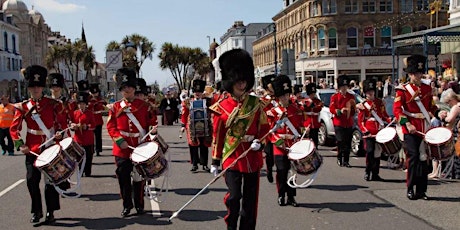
{"x":194,"y":168}
{"x":205,"y":168}
{"x":270,"y":177}
{"x":367,"y":177}
{"x":36,"y":217}
{"x":98,"y":154}
{"x":411,"y":195}
{"x":281,"y":201}
{"x":339,"y":163}
{"x":125,"y":212}
{"x":346,"y":164}
{"x":422,"y":196}
{"x":291,"y":201}
{"x":49,"y":219}
{"x":377,"y":178}
{"x":140,"y":211}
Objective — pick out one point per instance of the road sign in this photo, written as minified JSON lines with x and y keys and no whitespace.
{"x":114,"y":59}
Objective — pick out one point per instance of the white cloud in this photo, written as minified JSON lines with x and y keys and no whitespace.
{"x":55,"y":6}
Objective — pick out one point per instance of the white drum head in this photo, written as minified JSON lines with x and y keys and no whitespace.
{"x":144,"y":151}
{"x":66,"y":142}
{"x":385,"y":135}
{"x":47,"y":156}
{"x":301,"y":149}
{"x":438,"y":135}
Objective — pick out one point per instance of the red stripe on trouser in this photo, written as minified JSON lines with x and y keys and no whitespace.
{"x":228,"y":210}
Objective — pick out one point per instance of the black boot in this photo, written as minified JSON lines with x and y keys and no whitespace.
{"x":411,"y":194}
{"x":206,"y":168}
{"x":376,"y":177}
{"x":291,"y":201}
{"x":270,"y":176}
{"x":125,"y":212}
{"x":36,"y":217}
{"x":367,"y":177}
{"x":281,"y":201}
{"x":194,"y":168}
{"x":339,"y":162}
{"x":49,"y":219}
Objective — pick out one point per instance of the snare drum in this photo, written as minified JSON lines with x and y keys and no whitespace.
{"x":389,"y":140}
{"x":72,"y":149}
{"x":304,"y":157}
{"x":161,"y":142}
{"x":56,"y":166}
{"x":148,"y":160}
{"x":440,"y":143}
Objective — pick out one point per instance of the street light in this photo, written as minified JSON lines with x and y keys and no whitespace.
{"x":209,"y":40}
{"x":274,"y":47}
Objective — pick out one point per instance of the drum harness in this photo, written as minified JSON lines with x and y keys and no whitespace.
{"x":135,"y":175}
{"x":36,"y":117}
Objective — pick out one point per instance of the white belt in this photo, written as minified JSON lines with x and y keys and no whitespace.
{"x":371,"y":119}
{"x":247,"y":138}
{"x":311,"y":113}
{"x":35,"y":132}
{"x":126,"y":134}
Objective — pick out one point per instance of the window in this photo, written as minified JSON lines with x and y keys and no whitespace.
{"x":407,"y":6}
{"x":312,"y":39}
{"x":351,"y":6}
{"x":386,"y":37}
{"x":5,"y":41}
{"x":13,"y":39}
{"x":368,"y":6}
{"x":329,"y":7}
{"x":321,"y":38}
{"x":332,"y":38}
{"x":352,"y":38}
{"x":386,"y":6}
{"x":406,"y":30}
{"x":314,"y":9}
{"x":236,"y":43}
{"x":369,"y":36}
{"x":422,"y":5}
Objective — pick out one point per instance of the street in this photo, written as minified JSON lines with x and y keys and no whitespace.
{"x":338,"y":199}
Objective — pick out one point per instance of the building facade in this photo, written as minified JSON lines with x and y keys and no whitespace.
{"x":332,"y":37}
{"x":10,"y":59}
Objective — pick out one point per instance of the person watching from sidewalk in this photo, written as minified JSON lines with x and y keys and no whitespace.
{"x":6,"y":118}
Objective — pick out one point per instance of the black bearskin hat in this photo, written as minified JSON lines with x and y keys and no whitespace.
{"x":311,"y":88}
{"x":236,"y":65}
{"x":369,"y":85}
{"x":83,"y":85}
{"x":141,"y":86}
{"x":94,"y":88}
{"x":56,"y":79}
{"x":282,"y":85}
{"x":297,"y":88}
{"x":35,"y":75}
{"x":125,"y":77}
{"x":415,"y":64}
{"x":343,"y":80}
{"x":83,"y":97}
{"x":198,"y":86}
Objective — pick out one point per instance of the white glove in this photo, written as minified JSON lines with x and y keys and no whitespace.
{"x":256,"y":145}
{"x":214,"y":170}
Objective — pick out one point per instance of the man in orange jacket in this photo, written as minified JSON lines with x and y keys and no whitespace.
{"x":6,"y":118}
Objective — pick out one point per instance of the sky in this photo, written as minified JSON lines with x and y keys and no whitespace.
{"x":182,"y":22}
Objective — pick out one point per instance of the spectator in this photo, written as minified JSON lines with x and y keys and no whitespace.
{"x":6,"y":118}
{"x":379,"y":90}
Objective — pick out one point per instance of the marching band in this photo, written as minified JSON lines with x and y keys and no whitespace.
{"x":281,"y":124}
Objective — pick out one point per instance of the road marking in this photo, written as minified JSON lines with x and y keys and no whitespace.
{"x":11,"y":187}
{"x":154,"y":202}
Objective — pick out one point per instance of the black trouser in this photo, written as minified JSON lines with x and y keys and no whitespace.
{"x":89,"y":149}
{"x":33,"y":184}
{"x":282,"y":171}
{"x":98,"y":138}
{"x":202,"y":158}
{"x":5,"y":132}
{"x":417,"y":171}
{"x":314,"y":136}
{"x":343,"y":137}
{"x":269,"y":157}
{"x":456,"y":168}
{"x":249,"y":194}
{"x":123,"y":171}
{"x":372,"y":162}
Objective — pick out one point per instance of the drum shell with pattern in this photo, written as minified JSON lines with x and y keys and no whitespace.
{"x":73,"y":149}
{"x":57,"y":166}
{"x":440,"y":143}
{"x":304,"y":158}
{"x":148,"y":160}
{"x":161,"y":142}
{"x":389,"y":140}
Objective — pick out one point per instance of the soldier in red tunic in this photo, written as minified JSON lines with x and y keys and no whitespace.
{"x":284,"y":137}
{"x":42,"y":117}
{"x":370,"y":126}
{"x":312,"y":107}
{"x":413,"y":108}
{"x":269,"y":101}
{"x":195,"y":126}
{"x":129,"y":120}
{"x":83,"y":124}
{"x":343,"y":106}
{"x":239,"y":122}
{"x":97,"y":105}
{"x":57,"y":84}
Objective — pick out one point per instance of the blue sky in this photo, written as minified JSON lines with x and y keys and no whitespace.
{"x":182,"y":22}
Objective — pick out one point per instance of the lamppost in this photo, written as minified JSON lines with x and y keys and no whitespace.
{"x":275,"y":48}
{"x":209,"y":40}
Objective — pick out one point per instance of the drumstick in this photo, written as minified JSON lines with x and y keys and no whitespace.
{"x":420,"y":133}
{"x":304,"y":132}
{"x":392,"y":121}
{"x":34,"y":153}
{"x":146,"y":135}
{"x":52,"y":138}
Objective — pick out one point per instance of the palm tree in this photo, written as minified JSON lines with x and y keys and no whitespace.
{"x":137,"y":44}
{"x":53,"y":57}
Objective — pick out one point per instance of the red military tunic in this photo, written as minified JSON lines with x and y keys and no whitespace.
{"x":312,"y":108}
{"x":51,"y":114}
{"x":253,"y":161}
{"x":339,"y":101}
{"x":185,"y":119}
{"x":121,"y":128}
{"x":367,"y":122}
{"x":82,"y":136}
{"x":405,"y":102}
{"x":278,"y":138}
{"x":97,"y":106}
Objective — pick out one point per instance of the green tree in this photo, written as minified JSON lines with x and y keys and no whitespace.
{"x":183,"y":63}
